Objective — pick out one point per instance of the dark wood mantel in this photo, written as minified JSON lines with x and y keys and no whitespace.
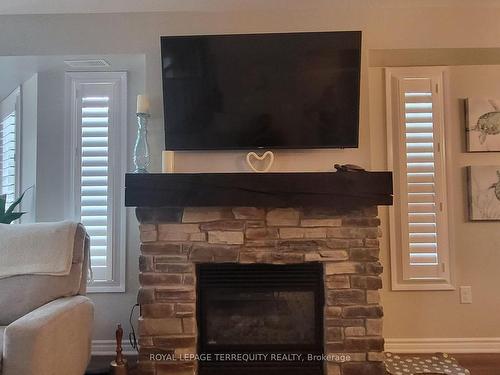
{"x":324,"y":189}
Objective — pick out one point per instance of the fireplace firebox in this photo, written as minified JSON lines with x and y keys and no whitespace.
{"x":260,"y":317}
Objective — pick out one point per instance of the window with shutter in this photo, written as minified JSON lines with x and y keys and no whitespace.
{"x":9,"y":133}
{"x":419,"y":222}
{"x":98,"y":118}
{"x":95,"y":213}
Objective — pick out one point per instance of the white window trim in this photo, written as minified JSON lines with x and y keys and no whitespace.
{"x":119,"y":80}
{"x":13,"y":100}
{"x":439,"y":75}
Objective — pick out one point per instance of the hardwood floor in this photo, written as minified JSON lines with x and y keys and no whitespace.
{"x":478,"y":364}
{"x":99,"y":365}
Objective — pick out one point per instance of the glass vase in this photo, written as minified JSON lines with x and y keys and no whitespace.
{"x":141,"y":148}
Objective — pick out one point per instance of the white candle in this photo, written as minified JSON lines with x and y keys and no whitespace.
{"x":168,"y":164}
{"x":142,"y":104}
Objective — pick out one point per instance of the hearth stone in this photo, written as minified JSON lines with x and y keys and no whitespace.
{"x":175,"y":240}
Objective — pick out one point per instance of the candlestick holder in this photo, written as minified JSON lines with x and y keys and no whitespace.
{"x":141,"y":148}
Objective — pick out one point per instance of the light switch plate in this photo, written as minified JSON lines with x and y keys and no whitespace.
{"x":465,"y":294}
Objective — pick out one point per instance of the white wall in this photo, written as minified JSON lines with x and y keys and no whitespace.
{"x":50,"y":146}
{"x":474,"y":245}
{"x":383,"y":27}
{"x":29,"y":108}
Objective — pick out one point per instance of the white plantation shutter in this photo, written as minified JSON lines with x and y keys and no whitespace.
{"x":99,"y":128}
{"x":95,"y":211}
{"x":9,"y":134}
{"x":8,"y":156}
{"x":421,"y":223}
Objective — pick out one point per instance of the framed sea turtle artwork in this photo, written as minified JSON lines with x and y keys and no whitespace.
{"x":483,"y":124}
{"x":484,"y":192}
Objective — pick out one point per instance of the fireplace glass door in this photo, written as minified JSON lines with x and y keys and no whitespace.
{"x":272,"y":310}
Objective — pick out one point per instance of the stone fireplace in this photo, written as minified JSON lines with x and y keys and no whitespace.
{"x":185,"y":252}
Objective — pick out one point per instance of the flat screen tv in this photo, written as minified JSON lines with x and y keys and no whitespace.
{"x":288,"y":90}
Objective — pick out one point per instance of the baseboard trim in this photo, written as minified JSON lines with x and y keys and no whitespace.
{"x":448,"y":345}
{"x":108,"y":347}
{"x":411,"y":345}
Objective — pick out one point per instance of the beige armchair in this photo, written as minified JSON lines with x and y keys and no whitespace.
{"x":46,"y":321}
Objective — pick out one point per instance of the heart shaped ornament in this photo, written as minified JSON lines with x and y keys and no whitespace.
{"x":260,"y":164}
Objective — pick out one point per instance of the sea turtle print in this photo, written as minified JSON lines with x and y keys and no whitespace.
{"x":496,"y":186}
{"x":489,"y":123}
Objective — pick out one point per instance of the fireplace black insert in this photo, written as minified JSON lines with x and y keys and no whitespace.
{"x":260,"y":319}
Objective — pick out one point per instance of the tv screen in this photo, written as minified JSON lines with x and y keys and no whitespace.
{"x":290,"y":90}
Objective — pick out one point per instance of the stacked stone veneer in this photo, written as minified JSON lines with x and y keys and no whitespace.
{"x":174,"y":240}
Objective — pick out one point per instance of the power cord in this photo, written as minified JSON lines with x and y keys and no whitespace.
{"x":131,"y":336}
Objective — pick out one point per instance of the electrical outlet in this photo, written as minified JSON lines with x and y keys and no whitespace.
{"x":465,"y":294}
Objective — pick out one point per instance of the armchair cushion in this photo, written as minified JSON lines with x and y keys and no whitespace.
{"x":22,"y":294}
{"x":54,"y":336}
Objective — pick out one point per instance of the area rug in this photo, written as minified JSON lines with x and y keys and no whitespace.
{"x":439,"y":363}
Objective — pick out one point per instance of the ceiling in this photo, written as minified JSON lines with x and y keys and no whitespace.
{"x":118,"y":6}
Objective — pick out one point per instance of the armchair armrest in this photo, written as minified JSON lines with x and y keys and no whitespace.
{"x":53,"y":339}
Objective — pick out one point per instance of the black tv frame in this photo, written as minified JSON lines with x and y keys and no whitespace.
{"x":287,"y":147}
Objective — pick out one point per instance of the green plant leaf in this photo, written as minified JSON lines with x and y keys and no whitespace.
{"x":3,"y":201}
{"x":13,"y":205}
{"x":9,"y":218}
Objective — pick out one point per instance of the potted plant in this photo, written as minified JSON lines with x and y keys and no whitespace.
{"x":7,"y":216}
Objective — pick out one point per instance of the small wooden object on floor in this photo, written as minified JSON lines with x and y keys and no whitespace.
{"x":119,"y":366}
